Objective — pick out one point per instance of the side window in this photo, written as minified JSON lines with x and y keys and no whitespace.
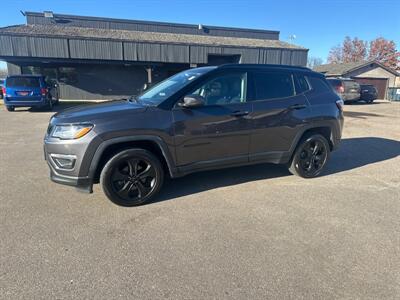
{"x":225,"y":89}
{"x":319,"y":85}
{"x":301,"y":84}
{"x":273,"y":85}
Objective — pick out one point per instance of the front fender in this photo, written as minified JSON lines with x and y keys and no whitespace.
{"x":149,"y":138}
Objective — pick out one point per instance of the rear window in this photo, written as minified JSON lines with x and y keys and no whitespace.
{"x":319,"y":85}
{"x":350,"y":84}
{"x":334,"y":82}
{"x":273,"y":85}
{"x":26,"y":82}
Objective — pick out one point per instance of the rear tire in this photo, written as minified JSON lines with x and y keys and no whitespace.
{"x":132,"y":177}
{"x":310,"y":157}
{"x":10,"y":108}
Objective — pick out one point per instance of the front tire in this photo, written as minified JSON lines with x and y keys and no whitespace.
{"x":10,"y":108}
{"x":132,"y":177}
{"x":310,"y":157}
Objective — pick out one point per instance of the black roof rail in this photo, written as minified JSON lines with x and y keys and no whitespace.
{"x":264,"y":65}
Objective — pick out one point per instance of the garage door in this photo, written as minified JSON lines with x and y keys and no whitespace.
{"x":379,"y":83}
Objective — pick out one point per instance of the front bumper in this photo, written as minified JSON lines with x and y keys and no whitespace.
{"x":80,"y":153}
{"x":83,"y":184}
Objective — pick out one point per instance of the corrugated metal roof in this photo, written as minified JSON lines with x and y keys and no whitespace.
{"x":141,"y":36}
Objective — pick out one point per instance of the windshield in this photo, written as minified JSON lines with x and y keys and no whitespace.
{"x":171,"y":85}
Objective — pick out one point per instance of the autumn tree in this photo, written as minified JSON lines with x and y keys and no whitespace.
{"x":385,"y":52}
{"x":351,"y":50}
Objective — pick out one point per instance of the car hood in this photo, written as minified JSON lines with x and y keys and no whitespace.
{"x":91,"y":112}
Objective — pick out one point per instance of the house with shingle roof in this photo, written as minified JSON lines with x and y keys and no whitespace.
{"x":365,"y":72}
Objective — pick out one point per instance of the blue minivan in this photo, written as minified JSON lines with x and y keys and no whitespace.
{"x":28,"y":91}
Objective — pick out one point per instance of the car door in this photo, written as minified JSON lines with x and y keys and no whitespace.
{"x":217,"y":133}
{"x":277,"y":114}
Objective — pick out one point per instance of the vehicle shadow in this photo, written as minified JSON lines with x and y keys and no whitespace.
{"x":353,"y":153}
{"x":360,"y":115}
{"x":357,"y":152}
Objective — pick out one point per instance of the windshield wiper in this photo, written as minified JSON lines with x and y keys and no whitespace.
{"x":134,"y":99}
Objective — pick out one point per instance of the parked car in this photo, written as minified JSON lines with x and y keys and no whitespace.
{"x":199,"y":119}
{"x":1,"y":88}
{"x":28,"y":91}
{"x":347,"y":89}
{"x":369,"y":93}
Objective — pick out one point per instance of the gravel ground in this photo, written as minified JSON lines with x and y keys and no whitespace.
{"x":243,"y":233}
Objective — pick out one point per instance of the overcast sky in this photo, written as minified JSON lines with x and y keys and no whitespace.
{"x":318,"y":25}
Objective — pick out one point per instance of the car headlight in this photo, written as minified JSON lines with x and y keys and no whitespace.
{"x":71,"y":132}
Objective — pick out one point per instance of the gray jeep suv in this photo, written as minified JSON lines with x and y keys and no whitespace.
{"x":199,"y":119}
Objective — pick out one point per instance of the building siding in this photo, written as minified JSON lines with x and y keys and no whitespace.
{"x":13,"y":69}
{"x":48,"y":47}
{"x":92,"y":49}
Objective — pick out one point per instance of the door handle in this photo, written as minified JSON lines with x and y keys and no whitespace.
{"x":297,"y":106}
{"x":239,"y":113}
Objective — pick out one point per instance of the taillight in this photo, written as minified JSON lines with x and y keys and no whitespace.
{"x":43,"y":91}
{"x":3,"y":90}
{"x":339,"y":104}
{"x":340,"y":89}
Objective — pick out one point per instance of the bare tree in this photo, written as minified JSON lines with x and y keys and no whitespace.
{"x":335,"y":55}
{"x":313,"y":61}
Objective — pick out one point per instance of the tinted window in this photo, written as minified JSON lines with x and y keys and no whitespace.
{"x":318,"y":85}
{"x":334,"y":82}
{"x":67,"y":75}
{"x":273,"y":85}
{"x":28,"y":82}
{"x":224,"y":89}
{"x":351,"y":84}
{"x":301,"y":84}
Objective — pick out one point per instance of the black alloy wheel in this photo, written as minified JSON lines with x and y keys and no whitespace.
{"x":132,"y":177}
{"x":310,"y":157}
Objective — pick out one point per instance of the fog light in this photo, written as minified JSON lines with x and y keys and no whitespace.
{"x":63,"y":161}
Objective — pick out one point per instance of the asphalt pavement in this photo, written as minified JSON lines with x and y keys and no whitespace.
{"x":245,"y":233}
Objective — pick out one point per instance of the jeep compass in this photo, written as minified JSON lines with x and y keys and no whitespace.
{"x":200,"y":119}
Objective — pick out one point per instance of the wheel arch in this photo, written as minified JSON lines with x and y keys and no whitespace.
{"x":324,"y":129}
{"x":112,"y":146}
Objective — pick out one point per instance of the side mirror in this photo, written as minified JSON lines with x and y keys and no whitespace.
{"x":191,"y":101}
